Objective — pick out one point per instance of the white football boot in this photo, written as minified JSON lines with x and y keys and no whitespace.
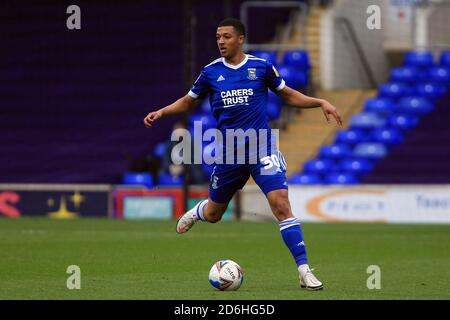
{"x":307,"y":279}
{"x":187,"y":220}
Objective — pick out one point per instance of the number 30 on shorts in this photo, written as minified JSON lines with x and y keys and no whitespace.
{"x":274,"y":160}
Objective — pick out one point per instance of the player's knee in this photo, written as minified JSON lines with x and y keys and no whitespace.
{"x":282,"y":209}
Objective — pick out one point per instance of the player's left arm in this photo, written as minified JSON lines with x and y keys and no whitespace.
{"x":297,"y":99}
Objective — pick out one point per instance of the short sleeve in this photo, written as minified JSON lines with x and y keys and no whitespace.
{"x":200,"y":87}
{"x":273,"y":79}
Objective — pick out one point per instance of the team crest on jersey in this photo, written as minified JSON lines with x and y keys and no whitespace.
{"x":252,"y":73}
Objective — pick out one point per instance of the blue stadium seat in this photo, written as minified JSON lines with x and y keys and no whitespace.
{"x":370,"y":150}
{"x":318,"y":166}
{"x":298,"y":59}
{"x":138,"y":178}
{"x":356,"y":166}
{"x":445,"y":59}
{"x":167,"y":179}
{"x":403,"y":122}
{"x":387,"y":136}
{"x":341,"y":178}
{"x":393,"y":90}
{"x":367,"y":120}
{"x":430,"y":90}
{"x":414,"y":105}
{"x":295,"y":78}
{"x":305,"y":179}
{"x":440,"y":75}
{"x":419,"y":59}
{"x":405,"y":74}
{"x":350,"y":136}
{"x":206,"y":119}
{"x":270,"y":56}
{"x":335,"y":151}
{"x":159,"y":150}
{"x":273,"y":110}
{"x":382,"y":106}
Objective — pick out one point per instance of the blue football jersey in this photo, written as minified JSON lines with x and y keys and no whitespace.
{"x":238,"y":97}
{"x":238,"y":93}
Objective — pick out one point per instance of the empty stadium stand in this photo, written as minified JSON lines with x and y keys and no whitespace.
{"x":73,"y":100}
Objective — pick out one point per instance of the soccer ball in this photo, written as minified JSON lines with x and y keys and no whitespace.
{"x":226,"y":275}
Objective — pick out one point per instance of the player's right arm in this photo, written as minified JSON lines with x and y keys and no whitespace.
{"x":182,"y":105}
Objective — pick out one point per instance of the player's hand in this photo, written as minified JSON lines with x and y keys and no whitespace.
{"x":328,"y":109}
{"x":152,"y":117}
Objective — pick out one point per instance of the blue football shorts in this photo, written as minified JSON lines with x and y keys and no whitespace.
{"x":269,"y":173}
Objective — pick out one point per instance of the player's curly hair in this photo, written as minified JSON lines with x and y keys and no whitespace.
{"x":237,"y":24}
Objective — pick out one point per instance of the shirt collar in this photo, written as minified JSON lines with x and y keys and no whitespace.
{"x":235,"y":67}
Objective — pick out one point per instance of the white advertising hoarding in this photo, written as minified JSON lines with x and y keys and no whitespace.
{"x":364,"y":203}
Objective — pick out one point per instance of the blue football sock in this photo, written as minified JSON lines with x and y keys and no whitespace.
{"x":293,"y":238}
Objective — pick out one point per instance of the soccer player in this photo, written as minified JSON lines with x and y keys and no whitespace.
{"x":237,"y":84}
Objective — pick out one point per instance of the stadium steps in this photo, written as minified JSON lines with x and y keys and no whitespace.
{"x":312,"y":41}
{"x":308,"y":129}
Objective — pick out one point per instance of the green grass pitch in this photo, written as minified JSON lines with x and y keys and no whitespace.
{"x":148,"y":260}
